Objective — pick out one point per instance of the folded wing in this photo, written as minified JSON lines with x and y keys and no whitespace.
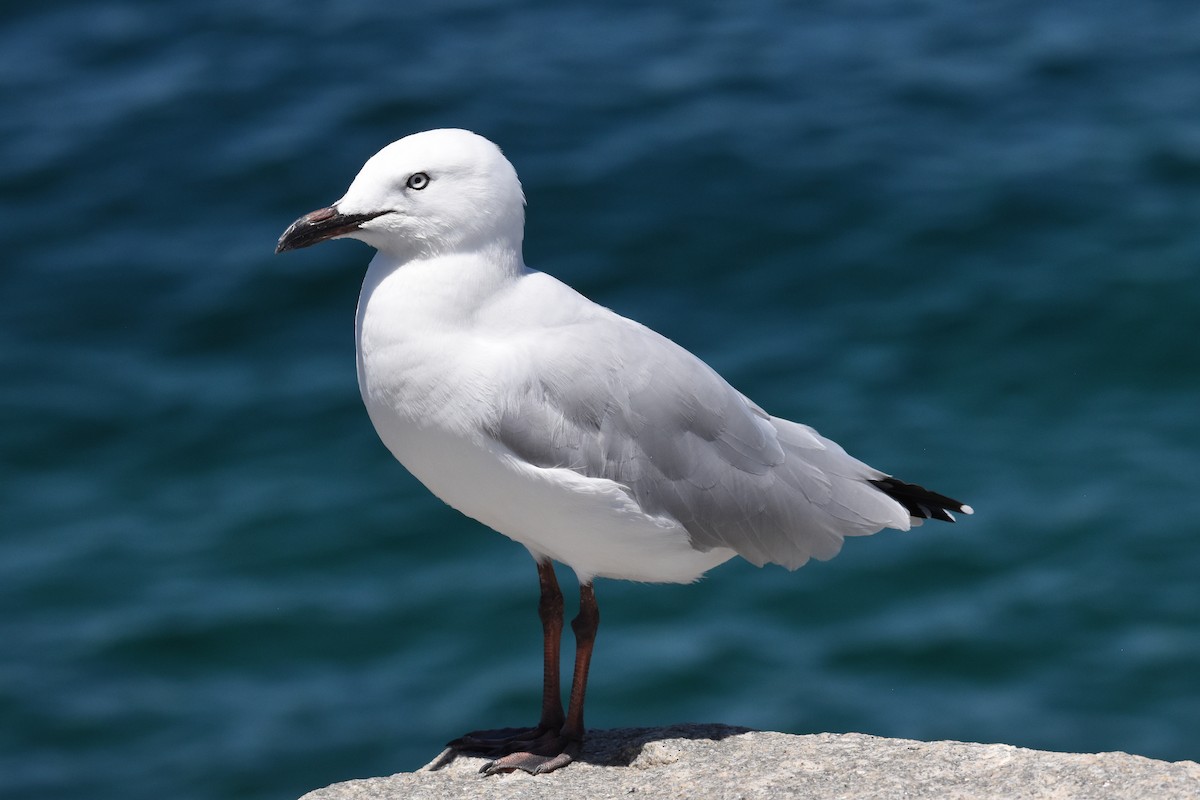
{"x":609,"y":398}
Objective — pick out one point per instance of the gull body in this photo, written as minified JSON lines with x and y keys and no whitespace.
{"x":585,"y":436}
{"x":440,"y":386}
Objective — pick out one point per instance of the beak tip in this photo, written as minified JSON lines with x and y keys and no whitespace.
{"x":288,"y":240}
{"x":301,"y":233}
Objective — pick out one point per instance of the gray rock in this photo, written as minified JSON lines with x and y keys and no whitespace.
{"x":723,"y":762}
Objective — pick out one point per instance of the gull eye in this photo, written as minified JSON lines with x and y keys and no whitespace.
{"x":418,"y":180}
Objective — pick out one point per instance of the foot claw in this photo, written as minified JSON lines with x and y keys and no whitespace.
{"x":533,"y":750}
{"x":533,"y":763}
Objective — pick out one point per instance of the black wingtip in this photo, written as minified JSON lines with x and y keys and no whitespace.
{"x":919,"y":501}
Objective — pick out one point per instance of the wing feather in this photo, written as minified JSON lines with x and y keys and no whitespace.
{"x":609,"y":398}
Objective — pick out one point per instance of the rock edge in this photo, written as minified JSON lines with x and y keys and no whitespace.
{"x":725,"y":762}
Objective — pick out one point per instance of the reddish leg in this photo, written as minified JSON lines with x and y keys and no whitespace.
{"x":585,"y":626}
{"x":552,"y":751}
{"x":502,"y":741}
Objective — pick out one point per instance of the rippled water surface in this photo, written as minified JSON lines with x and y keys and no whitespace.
{"x":960,"y":239}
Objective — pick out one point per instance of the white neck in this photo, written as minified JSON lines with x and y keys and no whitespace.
{"x":410,"y":313}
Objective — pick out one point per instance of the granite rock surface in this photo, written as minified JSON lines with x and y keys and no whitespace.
{"x":724,"y":762}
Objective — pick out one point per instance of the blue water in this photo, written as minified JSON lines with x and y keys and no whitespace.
{"x":961,"y":239}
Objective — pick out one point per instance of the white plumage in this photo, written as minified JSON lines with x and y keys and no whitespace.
{"x":583,"y":435}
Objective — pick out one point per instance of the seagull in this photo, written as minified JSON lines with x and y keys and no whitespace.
{"x":583,"y":435}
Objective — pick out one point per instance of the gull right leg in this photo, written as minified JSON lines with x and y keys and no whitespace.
{"x":503,"y":741}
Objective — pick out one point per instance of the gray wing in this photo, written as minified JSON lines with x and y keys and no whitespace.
{"x":609,"y":398}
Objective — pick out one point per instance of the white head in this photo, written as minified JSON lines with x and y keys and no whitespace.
{"x":437,"y":192}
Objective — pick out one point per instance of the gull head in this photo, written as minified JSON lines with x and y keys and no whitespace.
{"x":431,"y":193}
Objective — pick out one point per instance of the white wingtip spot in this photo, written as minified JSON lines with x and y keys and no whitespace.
{"x":967,"y":509}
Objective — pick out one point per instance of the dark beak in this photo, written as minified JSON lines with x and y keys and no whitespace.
{"x":322,"y":224}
